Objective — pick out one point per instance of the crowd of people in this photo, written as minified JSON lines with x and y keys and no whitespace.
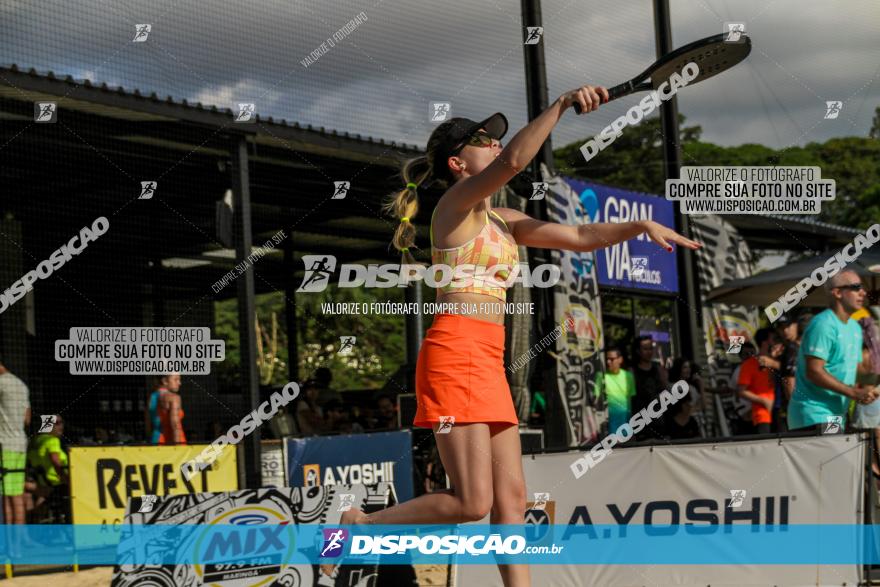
{"x":804,"y":372}
{"x":626,"y":391}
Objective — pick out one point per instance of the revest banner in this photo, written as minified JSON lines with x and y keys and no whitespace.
{"x":353,"y":458}
{"x":103,"y":478}
{"x":695,"y":489}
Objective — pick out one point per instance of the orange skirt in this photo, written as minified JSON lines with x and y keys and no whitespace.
{"x":460,"y":373}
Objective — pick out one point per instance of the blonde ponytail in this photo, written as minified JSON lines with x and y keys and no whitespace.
{"x":404,"y":205}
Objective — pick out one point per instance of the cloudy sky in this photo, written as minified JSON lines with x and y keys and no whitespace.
{"x":380,"y":79}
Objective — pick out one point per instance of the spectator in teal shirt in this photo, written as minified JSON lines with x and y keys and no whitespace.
{"x":618,"y":385}
{"x":828,"y":359}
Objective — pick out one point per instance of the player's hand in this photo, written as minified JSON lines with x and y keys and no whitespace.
{"x":768,"y":403}
{"x":589,"y":97}
{"x":663,"y":236}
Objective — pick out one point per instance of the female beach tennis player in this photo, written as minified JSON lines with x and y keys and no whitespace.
{"x":460,"y":371}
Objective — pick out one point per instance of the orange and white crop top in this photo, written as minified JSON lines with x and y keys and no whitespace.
{"x":488,"y":252}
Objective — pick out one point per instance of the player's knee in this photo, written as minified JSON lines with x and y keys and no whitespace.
{"x":476,"y":507}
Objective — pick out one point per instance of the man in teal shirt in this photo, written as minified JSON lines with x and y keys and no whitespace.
{"x":619,"y":386}
{"x":828,"y":359}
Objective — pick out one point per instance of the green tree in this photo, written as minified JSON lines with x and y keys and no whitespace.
{"x":635,"y":162}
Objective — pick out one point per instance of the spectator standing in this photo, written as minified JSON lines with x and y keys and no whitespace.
{"x":742,"y":407}
{"x":386,"y":414}
{"x":829,"y":358}
{"x":680,"y":423}
{"x":48,"y":462}
{"x":618,"y":386}
{"x":165,"y":412}
{"x":757,"y":384}
{"x":15,"y":416}
{"x":684,"y":369}
{"x":309,"y":415}
{"x":323,"y":380}
{"x":651,"y":378}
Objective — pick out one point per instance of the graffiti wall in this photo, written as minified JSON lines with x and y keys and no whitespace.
{"x":579,"y":314}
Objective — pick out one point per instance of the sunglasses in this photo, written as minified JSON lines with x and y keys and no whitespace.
{"x":476,"y":140}
{"x":852,"y":287}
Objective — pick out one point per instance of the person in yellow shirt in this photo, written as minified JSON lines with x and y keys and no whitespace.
{"x":48,"y":461}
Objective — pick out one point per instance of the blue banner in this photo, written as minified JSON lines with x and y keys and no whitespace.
{"x":352,"y":458}
{"x":638,"y":263}
{"x":226,"y":549}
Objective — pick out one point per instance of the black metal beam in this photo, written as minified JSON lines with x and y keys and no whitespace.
{"x":688,"y":305}
{"x":250,"y":382}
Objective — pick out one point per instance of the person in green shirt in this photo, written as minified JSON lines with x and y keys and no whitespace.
{"x":619,"y":386}
{"x":48,"y":461}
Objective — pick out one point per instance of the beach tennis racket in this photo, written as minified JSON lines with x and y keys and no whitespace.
{"x":712,"y":55}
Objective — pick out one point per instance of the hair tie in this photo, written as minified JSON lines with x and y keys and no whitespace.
{"x":405,"y":219}
{"x":411,"y":185}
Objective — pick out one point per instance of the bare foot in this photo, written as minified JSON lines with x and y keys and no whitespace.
{"x":348,"y":518}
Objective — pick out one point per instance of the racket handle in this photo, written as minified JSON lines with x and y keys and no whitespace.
{"x":614,"y":93}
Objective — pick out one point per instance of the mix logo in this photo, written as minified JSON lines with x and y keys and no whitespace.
{"x":833,"y":425}
{"x":346,"y":345}
{"x":735,"y":31}
{"x":256,"y":550}
{"x":340,"y":189}
{"x":47,"y":423}
{"x":736,"y":343}
{"x":141,"y":31}
{"x":539,"y":190}
{"x":737,"y":497}
{"x":147,"y":503}
{"x":534,"y":35}
{"x":148,"y":188}
{"x":45,"y":112}
{"x":832,"y":109}
{"x":440,"y":111}
{"x":334,"y":542}
{"x":247,"y":112}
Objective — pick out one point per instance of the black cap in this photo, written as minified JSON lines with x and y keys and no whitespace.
{"x":784,"y":320}
{"x":460,"y":130}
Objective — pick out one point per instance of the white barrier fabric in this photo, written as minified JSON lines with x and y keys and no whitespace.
{"x":814,"y":480}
